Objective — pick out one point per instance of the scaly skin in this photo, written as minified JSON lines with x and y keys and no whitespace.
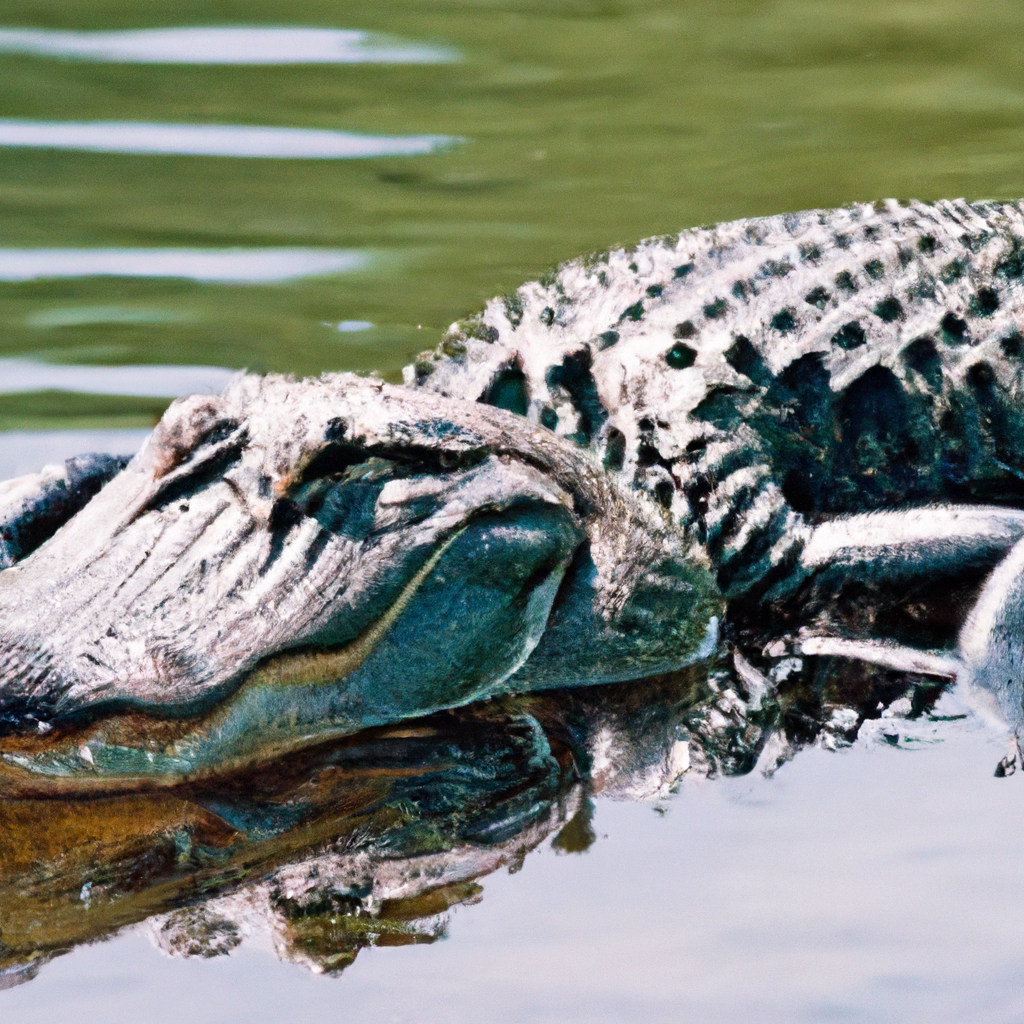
{"x":758,"y":375}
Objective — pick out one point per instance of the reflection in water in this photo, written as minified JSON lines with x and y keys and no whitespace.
{"x":220,"y":266}
{"x":240,"y":140}
{"x":370,"y":841}
{"x":18,"y":375}
{"x":224,"y":45}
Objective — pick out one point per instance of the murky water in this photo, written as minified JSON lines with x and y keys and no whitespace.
{"x":308,"y":186}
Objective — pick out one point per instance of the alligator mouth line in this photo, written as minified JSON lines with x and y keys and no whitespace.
{"x":292,"y":668}
{"x":135,"y":750}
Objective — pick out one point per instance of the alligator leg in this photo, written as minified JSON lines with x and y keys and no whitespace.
{"x":890,"y":545}
{"x":34,"y":507}
{"x":890,"y":549}
{"x":895,"y":546}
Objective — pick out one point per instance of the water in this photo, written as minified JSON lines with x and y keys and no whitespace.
{"x":875,"y":884}
{"x":497,"y":138}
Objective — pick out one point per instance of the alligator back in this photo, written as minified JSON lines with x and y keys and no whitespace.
{"x":760,"y":373}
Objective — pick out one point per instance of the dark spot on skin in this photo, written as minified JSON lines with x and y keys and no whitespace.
{"x":1012,"y":345}
{"x":453,"y":348}
{"x":663,"y":493}
{"x":718,"y":407}
{"x":875,"y":269}
{"x":922,"y":356}
{"x":739,"y":290}
{"x":607,"y":339}
{"x":817,"y":297}
{"x":975,"y":242}
{"x":634,"y":267}
{"x":954,"y":330}
{"x":685,"y":330}
{"x":508,"y":390}
{"x":905,"y":256}
{"x":745,"y":359}
{"x":845,"y":282}
{"x":634,"y":312}
{"x":715,"y":310}
{"x":549,"y":418}
{"x":850,"y":335}
{"x":547,"y":316}
{"x":776,"y":268}
{"x":872,"y":231}
{"x":513,"y":309}
{"x":796,"y":422}
{"x":889,"y":309}
{"x":647,"y":454}
{"x":680,"y":356}
{"x":284,"y":515}
{"x":654,"y":290}
{"x":1011,"y":264}
{"x":843,"y":241}
{"x":926,"y":244}
{"x":981,"y":375}
{"x":615,"y":449}
{"x":784,"y":321}
{"x":985,"y":303}
{"x":810,"y":253}
{"x":481,"y":331}
{"x":1002,"y":432}
{"x":575,"y":377}
{"x":683,"y":271}
{"x":952,"y":271}
{"x":878,"y":454}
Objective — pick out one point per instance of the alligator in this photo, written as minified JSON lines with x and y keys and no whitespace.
{"x":765,"y":445}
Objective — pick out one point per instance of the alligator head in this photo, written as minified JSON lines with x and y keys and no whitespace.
{"x":295,"y":560}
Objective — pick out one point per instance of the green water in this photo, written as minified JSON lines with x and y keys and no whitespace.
{"x":586,"y":123}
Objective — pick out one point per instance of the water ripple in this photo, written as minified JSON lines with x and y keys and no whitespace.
{"x":265,"y":44}
{"x":24,"y":375}
{"x":236,"y":140}
{"x":220,"y":266}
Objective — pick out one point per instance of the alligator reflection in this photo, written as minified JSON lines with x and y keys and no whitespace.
{"x":370,"y":841}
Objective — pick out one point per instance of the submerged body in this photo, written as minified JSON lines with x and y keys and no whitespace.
{"x":678,"y":427}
